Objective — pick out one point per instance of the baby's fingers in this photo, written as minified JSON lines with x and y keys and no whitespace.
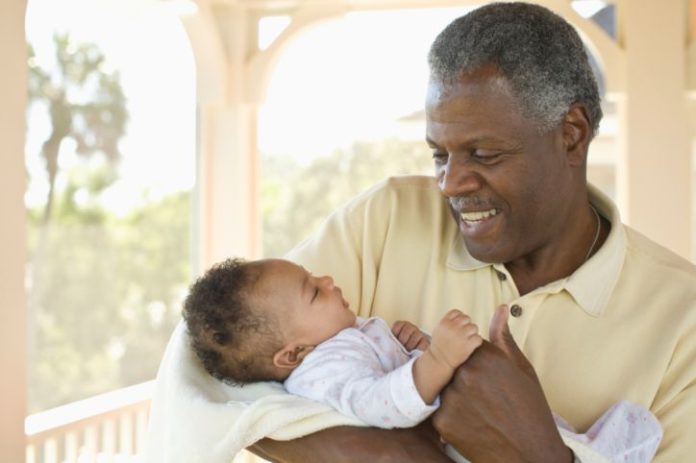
{"x":408,"y":334}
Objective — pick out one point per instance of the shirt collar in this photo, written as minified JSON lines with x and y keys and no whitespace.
{"x":593,"y":282}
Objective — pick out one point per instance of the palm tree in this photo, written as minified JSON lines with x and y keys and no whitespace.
{"x":85,"y":104}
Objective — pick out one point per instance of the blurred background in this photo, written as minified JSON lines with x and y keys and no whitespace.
{"x":146,"y":140}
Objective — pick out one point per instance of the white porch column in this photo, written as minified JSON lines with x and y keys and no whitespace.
{"x":228,"y":181}
{"x":653,"y":169}
{"x":228,"y":211}
{"x":13,"y":335}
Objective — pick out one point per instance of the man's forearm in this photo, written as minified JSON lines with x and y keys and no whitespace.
{"x":347,"y":444}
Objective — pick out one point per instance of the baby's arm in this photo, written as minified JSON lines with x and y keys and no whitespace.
{"x":454,"y":340}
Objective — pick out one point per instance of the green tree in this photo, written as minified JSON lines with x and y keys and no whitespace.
{"x":111,"y":296}
{"x":85,"y":103}
{"x":296,"y":199}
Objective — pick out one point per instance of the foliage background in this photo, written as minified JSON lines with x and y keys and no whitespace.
{"x":104,"y":287}
{"x":296,"y":198}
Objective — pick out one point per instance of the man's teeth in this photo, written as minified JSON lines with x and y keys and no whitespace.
{"x":479,"y":215}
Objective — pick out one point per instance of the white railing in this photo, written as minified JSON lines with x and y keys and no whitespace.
{"x":106,"y":428}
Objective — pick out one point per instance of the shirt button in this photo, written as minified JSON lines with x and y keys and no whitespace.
{"x":501,"y":275}
{"x":516,"y":310}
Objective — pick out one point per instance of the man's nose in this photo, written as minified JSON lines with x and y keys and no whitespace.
{"x":458,"y":178}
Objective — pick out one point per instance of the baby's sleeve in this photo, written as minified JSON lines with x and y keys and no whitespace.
{"x":346,"y":374}
{"x":625,"y":433}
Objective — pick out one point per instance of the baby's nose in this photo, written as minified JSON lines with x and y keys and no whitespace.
{"x":328,"y":281}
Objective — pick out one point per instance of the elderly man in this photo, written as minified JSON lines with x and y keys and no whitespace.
{"x":599,"y":312}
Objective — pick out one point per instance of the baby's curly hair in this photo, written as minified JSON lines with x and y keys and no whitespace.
{"x":234,"y":342}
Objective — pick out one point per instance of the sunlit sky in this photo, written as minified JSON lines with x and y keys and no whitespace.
{"x":342,"y":80}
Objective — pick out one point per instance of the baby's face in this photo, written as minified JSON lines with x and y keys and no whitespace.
{"x":309,"y":309}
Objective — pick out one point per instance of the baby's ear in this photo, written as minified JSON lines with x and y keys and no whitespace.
{"x":291,"y":355}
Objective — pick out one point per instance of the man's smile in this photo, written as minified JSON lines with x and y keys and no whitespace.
{"x":476,"y":216}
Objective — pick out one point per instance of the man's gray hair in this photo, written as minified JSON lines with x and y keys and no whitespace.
{"x":537,"y":51}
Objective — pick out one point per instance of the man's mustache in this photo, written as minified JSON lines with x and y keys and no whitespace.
{"x":464,"y":203}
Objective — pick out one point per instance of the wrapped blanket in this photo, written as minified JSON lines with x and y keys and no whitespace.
{"x":195,"y":417}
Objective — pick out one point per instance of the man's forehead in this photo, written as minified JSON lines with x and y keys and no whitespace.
{"x":483,"y":80}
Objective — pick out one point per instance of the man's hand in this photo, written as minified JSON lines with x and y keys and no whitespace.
{"x":352,"y":444}
{"x":495,"y":410}
{"x":410,"y":336}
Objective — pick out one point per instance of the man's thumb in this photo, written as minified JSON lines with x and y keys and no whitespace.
{"x":500,"y":336}
{"x":499,"y":332}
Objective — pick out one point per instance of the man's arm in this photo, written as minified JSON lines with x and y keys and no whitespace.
{"x":346,"y":444}
{"x":495,"y":410}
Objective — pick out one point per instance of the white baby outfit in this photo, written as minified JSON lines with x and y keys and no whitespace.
{"x":366,"y":373}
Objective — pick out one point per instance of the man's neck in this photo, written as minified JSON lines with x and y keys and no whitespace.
{"x":533,"y":272}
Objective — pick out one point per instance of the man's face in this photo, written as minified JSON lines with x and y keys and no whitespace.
{"x":508,"y":184}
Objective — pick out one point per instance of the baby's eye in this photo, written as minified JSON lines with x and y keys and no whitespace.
{"x":440,"y":157}
{"x":316,"y":293}
{"x":487,"y":155}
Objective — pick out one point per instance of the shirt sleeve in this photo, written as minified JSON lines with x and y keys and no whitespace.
{"x":675,"y":402}
{"x":625,"y":433}
{"x":346,"y":374}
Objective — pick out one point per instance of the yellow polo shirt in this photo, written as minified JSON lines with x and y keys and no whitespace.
{"x":621,"y":327}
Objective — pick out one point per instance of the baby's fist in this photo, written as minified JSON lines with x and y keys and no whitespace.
{"x":455,"y":338}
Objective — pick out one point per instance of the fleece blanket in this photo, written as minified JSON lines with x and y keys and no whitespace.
{"x":194,"y":417}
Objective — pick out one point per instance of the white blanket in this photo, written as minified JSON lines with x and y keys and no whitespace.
{"x":194,"y":417}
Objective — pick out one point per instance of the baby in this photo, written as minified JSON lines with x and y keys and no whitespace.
{"x":271,"y":320}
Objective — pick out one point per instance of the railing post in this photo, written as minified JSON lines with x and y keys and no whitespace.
{"x":140,"y":430}
{"x":30,"y":454}
{"x":71,"y":447}
{"x":91,"y":443}
{"x":109,"y":439}
{"x":50,"y":451}
{"x":125,"y":434}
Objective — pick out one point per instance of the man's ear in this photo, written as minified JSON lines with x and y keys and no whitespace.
{"x":291,"y":355}
{"x":577,"y":133}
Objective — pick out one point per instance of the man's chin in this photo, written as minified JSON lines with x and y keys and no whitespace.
{"x":486,"y":253}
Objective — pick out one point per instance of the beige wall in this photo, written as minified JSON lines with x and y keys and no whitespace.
{"x":654,"y":166}
{"x":12,"y":239}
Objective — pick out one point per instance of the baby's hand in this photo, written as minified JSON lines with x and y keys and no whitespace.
{"x":454,"y":339}
{"x":410,"y":336}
